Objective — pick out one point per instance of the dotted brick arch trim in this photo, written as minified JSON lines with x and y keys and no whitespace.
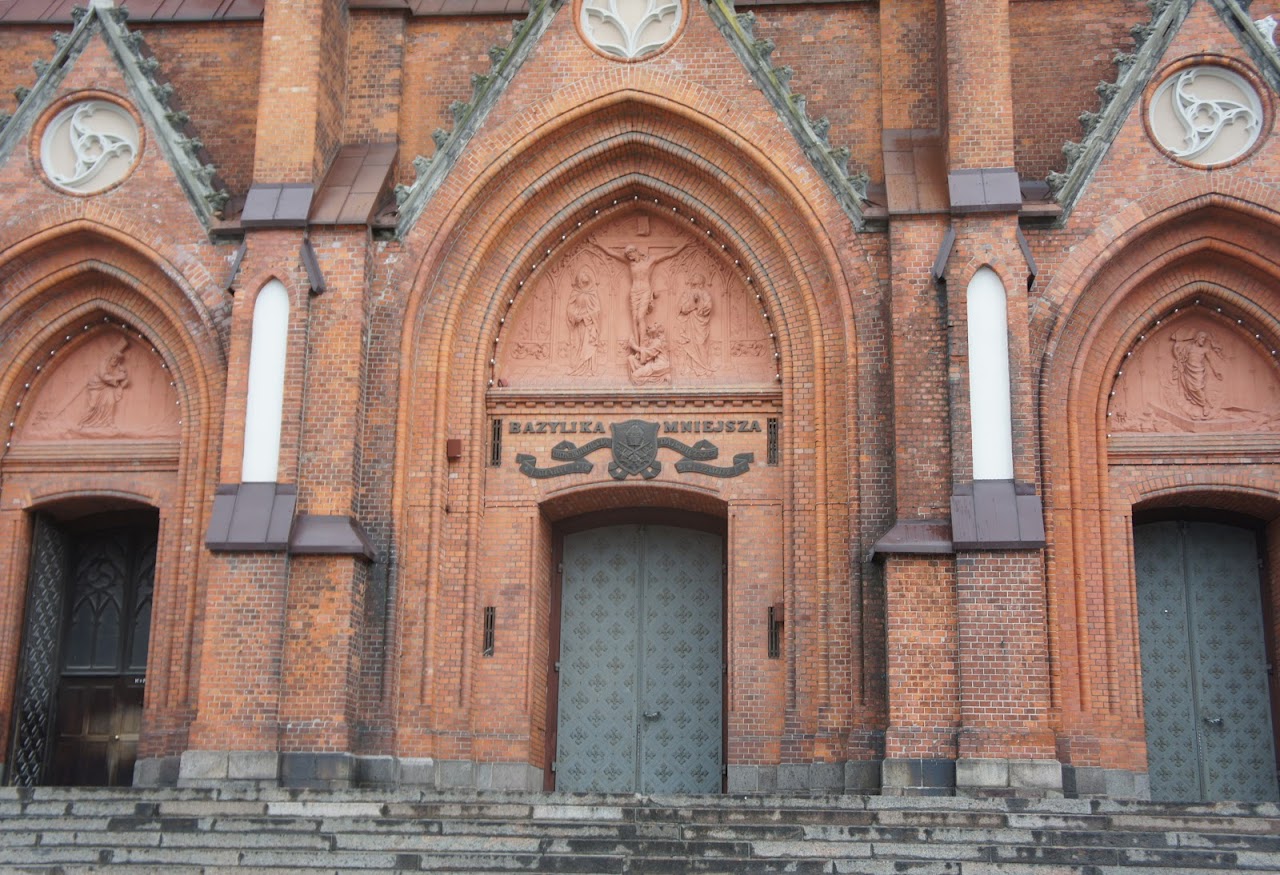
{"x":87,"y":273}
{"x":589,"y":163}
{"x":1129,"y":228}
{"x":1230,"y":255}
{"x":1213,"y":247}
{"x":52,"y":284}
{"x":586,"y":169}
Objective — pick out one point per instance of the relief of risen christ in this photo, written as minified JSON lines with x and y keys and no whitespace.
{"x":641,"y":265}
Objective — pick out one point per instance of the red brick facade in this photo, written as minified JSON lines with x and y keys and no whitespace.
{"x":908,"y":656}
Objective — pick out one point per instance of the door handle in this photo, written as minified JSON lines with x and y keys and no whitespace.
{"x":1213,"y":721}
{"x":652,"y":715}
{"x":115,"y":738}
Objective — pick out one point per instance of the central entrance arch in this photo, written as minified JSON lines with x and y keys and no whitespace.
{"x":637,"y":694}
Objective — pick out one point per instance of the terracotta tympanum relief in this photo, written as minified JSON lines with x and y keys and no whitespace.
{"x":1196,"y":375}
{"x":109,"y":386}
{"x":638,"y":302}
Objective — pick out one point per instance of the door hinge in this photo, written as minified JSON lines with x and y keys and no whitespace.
{"x":560,"y":568}
{"x":554,"y":763}
{"x":557,"y":666}
{"x":724,"y":770}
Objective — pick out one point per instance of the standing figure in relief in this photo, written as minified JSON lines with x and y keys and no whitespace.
{"x":583,"y":314}
{"x":1192,"y":366}
{"x":641,"y":265}
{"x":104,"y":389}
{"x":695,"y":310}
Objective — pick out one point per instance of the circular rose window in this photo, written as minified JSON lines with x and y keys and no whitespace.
{"x":89,"y":146}
{"x":1206,"y":115}
{"x":630,"y":29}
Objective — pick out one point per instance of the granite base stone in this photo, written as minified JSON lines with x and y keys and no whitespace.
{"x":862,"y":777}
{"x":415,"y":771}
{"x":215,"y":768}
{"x":1089,"y":782}
{"x":317,"y":771}
{"x":157,"y":771}
{"x":918,"y":777}
{"x":1040,"y":779}
{"x":810,"y":777}
{"x":375,"y":771}
{"x":849,"y":777}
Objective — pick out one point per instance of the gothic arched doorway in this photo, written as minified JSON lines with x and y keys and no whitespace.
{"x":78,"y":705}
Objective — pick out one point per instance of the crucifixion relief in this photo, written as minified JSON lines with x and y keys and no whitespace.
{"x":637,"y":301}
{"x":640,"y":263}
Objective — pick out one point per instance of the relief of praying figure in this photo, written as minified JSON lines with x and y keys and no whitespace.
{"x":649,"y":363}
{"x":104,"y":389}
{"x":1192,"y":365}
{"x":583,"y":314}
{"x":641,"y":265}
{"x":695,"y":310}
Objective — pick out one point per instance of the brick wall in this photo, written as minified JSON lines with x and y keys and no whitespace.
{"x":998,"y":654}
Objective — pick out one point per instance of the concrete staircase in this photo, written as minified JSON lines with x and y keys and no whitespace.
{"x":54,"y":830}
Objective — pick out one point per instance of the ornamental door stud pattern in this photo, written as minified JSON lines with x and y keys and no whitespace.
{"x":640,"y":662}
{"x":638,"y":302}
{"x":1206,"y":115}
{"x":89,"y":146}
{"x":630,"y":29}
{"x":1204,"y":678}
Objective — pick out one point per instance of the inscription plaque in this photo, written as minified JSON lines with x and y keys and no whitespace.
{"x":635,"y":444}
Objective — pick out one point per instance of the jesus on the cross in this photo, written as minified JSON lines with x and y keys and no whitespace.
{"x":641,"y":265}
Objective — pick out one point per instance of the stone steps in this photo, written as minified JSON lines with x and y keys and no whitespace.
{"x":239,"y":829}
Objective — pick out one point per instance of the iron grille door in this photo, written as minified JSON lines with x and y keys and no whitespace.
{"x":38,"y":676}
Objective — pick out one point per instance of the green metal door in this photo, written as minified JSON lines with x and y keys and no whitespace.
{"x":1204,"y":667}
{"x":640,"y":704}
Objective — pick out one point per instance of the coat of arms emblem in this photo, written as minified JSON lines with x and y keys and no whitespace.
{"x":635,"y":450}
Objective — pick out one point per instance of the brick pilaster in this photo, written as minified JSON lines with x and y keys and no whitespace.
{"x":979,"y":104}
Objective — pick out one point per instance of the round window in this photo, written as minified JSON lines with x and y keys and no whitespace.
{"x":89,"y":146}
{"x":630,"y":29}
{"x":1206,"y":115}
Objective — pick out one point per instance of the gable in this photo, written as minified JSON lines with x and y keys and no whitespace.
{"x":546,"y":41}
{"x":1159,"y":43}
{"x":137,"y":92}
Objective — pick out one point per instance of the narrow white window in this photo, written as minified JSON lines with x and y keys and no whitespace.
{"x":264,"y":405}
{"x":989,"y":391}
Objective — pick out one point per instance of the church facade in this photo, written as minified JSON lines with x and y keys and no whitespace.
{"x":642,"y":395}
